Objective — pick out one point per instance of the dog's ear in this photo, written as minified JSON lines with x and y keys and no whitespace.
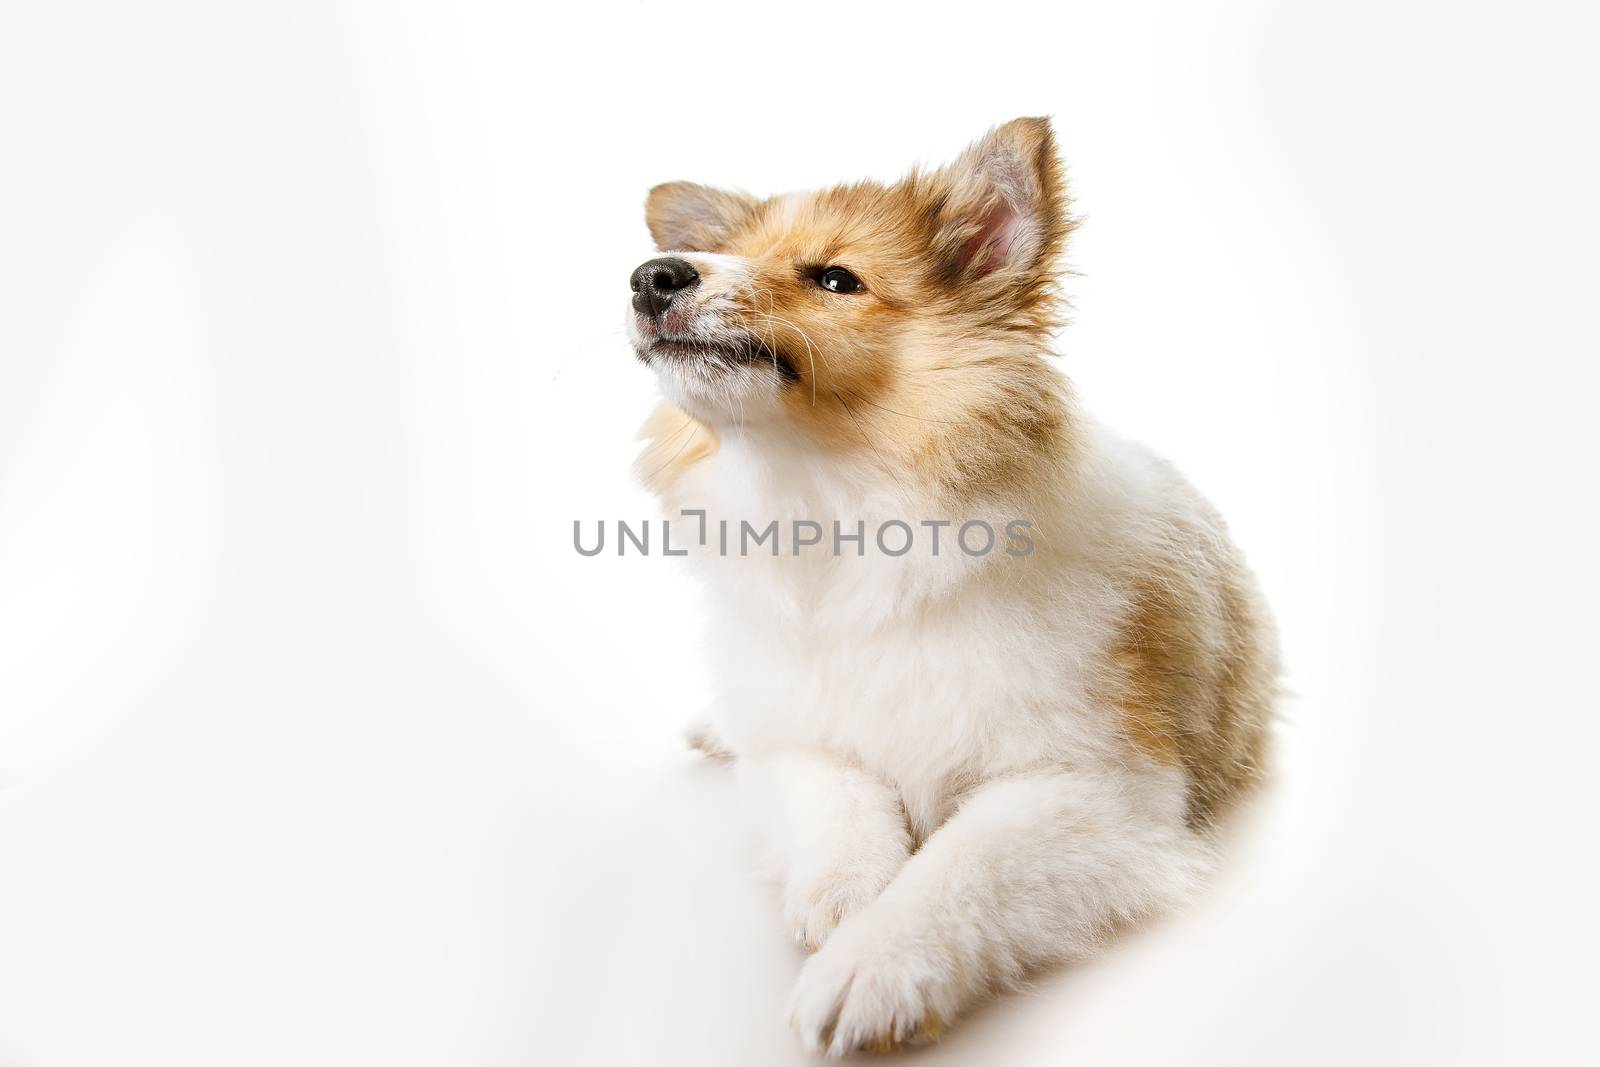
{"x":685,"y":217}
{"x":999,"y":212}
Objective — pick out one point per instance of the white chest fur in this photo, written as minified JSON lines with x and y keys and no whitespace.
{"x":932,"y":670}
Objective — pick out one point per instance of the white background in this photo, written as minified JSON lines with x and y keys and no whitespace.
{"x":320,"y":745}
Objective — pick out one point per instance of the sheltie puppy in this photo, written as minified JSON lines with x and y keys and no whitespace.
{"x":972,"y":755}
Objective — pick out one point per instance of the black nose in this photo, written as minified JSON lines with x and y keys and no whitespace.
{"x":657,"y":281}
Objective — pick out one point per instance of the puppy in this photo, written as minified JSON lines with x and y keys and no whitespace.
{"x":969,"y":762}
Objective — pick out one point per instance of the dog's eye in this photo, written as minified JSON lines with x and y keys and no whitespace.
{"x":838,"y":280}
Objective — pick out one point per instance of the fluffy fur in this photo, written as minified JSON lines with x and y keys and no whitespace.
{"x":967,"y":766}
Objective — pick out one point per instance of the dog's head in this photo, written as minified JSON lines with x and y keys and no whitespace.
{"x":862,"y":311}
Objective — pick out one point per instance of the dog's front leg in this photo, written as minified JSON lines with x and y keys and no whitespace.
{"x":838,"y":834}
{"x":1031,"y":869}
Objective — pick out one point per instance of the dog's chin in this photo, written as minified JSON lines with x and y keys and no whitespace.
{"x":716,"y":381}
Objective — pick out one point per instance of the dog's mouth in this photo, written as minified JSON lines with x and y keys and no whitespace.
{"x":726,"y":354}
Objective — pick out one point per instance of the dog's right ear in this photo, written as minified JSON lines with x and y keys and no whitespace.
{"x":685,"y":217}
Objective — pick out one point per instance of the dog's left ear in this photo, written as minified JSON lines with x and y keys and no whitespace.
{"x":1001,"y":215}
{"x":686,"y":217}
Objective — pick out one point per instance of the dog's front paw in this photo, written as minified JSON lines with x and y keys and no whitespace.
{"x":815,"y":905}
{"x":868,"y":990}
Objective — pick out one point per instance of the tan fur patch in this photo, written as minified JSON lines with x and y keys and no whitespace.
{"x":674,"y":442}
{"x":1195,"y":672}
